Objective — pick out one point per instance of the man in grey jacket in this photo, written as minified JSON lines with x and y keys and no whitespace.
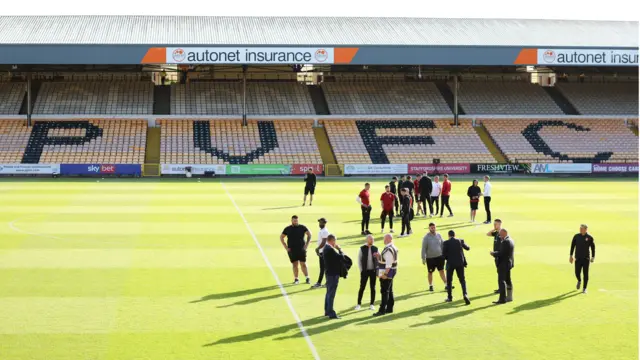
{"x":432,"y":254}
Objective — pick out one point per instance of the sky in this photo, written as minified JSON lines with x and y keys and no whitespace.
{"x":626,"y":10}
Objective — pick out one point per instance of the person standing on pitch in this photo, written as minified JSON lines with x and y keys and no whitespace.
{"x":296,"y":247}
{"x":365,"y":208}
{"x":405,"y":212}
{"x":409,"y":186}
{"x":426,"y":186}
{"x":452,"y":251}
{"x":394,"y":191}
{"x":495,"y":233}
{"x":387,"y":199}
{"x":505,"y":264}
{"x":387,"y":268}
{"x":323,"y":234}
{"x":474,"y":197}
{"x":446,"y":193}
{"x":487,"y":198}
{"x":435,"y":194}
{"x":432,"y":254}
{"x":416,"y":197}
{"x":582,"y":242}
{"x":333,"y":258}
{"x":309,"y":187}
{"x":367,"y":263}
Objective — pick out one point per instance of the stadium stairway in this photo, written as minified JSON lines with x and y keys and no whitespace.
{"x":152,"y":152}
{"x":634,"y":128}
{"x":490,"y":144}
{"x":326,"y":151}
{"x":319,"y":100}
{"x":446,"y":93}
{"x":563,"y":103}
{"x":162,"y":100}
{"x":35,"y":88}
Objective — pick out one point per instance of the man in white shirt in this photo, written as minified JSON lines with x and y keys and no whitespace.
{"x":367,"y":265}
{"x":387,"y":267}
{"x":322,"y":241}
{"x":435,"y":194}
{"x":487,"y":198}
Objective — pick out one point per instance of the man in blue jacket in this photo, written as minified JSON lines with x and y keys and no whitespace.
{"x":333,"y":260}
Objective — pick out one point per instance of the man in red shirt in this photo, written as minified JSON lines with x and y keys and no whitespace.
{"x":446,"y":192}
{"x":365,"y":207}
{"x":387,"y":200}
{"x":416,"y":192}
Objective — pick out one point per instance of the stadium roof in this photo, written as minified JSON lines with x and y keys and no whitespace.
{"x":183,"y":30}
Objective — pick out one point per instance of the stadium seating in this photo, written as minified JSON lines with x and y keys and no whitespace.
{"x":602,"y":98}
{"x":384,"y":98}
{"x":14,"y":136}
{"x":225,"y":98}
{"x":505,"y":98}
{"x":11,"y":96}
{"x":100,"y":98}
{"x":572,"y":140}
{"x":405,"y":141}
{"x":87,"y":142}
{"x":228,"y":142}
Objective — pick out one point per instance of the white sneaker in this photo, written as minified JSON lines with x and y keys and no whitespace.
{"x":357,"y":308}
{"x":391,"y":231}
{"x":372,"y":308}
{"x":382,"y":231}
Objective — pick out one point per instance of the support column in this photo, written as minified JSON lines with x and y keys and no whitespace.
{"x":29,"y":102}
{"x":244,"y":95}
{"x":455,"y":99}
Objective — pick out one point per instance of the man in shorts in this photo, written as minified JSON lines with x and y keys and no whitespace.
{"x":296,"y":247}
{"x":309,"y":187}
{"x":432,"y":254}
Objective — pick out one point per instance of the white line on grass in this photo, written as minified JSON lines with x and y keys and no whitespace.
{"x":273,"y":272}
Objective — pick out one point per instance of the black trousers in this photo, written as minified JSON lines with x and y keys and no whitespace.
{"x":321,"y":275}
{"x":386,"y":290}
{"x":406,"y":224}
{"x":366,"y":215}
{"x":504,"y":280}
{"x":487,"y":207}
{"x":426,"y":199}
{"x":397,"y":203}
{"x":445,"y":202}
{"x":435,"y":201}
{"x":364,"y":276}
{"x":384,"y":218}
{"x":582,"y":265}
{"x":460,"y":274}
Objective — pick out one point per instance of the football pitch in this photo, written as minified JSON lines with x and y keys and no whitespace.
{"x":186,"y":270}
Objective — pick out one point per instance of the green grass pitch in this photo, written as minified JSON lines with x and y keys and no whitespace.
{"x":167,"y":269}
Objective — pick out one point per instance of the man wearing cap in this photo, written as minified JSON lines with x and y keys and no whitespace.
{"x":582,"y":242}
{"x":387,"y":267}
{"x":505,"y":264}
{"x":367,"y":263}
{"x":322,"y":241}
{"x":452,"y":251}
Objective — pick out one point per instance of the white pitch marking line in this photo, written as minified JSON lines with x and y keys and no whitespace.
{"x":273,"y":272}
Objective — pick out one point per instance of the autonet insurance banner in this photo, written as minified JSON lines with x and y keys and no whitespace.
{"x":257,"y":169}
{"x":499,"y":168}
{"x":438,"y":168}
{"x":196,"y":169}
{"x":29,"y":169}
{"x":249,"y":55}
{"x":375,"y":169}
{"x":561,"y":168}
{"x":101,"y":169}
{"x":614,"y":168}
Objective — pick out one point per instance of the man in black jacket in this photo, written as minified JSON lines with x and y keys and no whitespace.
{"x":426,"y":187}
{"x":394,"y":190}
{"x":495,"y":234}
{"x":367,"y":263}
{"x":582,"y":243}
{"x":405,"y":212}
{"x":309,"y":187}
{"x":333,"y":258}
{"x":452,"y":251}
{"x":505,"y":264}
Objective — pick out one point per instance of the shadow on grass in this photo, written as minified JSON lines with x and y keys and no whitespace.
{"x":281,"y":208}
{"x":238,"y":293}
{"x":262,"y":298}
{"x":437,"y":319}
{"x":537,"y":304}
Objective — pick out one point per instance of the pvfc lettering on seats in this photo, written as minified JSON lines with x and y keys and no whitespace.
{"x":250,"y":55}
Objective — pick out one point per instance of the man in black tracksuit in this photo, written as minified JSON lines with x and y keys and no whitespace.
{"x":394,"y":191}
{"x":582,"y":243}
{"x":405,"y":212}
{"x":504,"y":257}
{"x":426,"y":186}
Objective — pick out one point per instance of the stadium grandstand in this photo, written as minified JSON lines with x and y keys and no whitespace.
{"x":166,"y":93}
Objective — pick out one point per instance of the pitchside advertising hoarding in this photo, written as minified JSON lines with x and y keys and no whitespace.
{"x":29,"y":169}
{"x":196,"y":169}
{"x":563,"y":168}
{"x":615,"y":168}
{"x":438,"y":168}
{"x":375,"y":169}
{"x":499,"y":168}
{"x":251,"y":169}
{"x":101,"y":169}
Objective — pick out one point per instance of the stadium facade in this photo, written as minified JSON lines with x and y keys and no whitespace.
{"x":130,"y":95}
